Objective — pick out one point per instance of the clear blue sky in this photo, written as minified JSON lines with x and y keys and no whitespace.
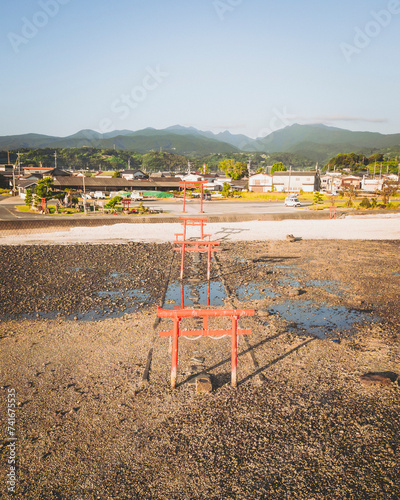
{"x":249,"y":66}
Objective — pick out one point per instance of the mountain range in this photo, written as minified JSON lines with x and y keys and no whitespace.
{"x":314,"y":142}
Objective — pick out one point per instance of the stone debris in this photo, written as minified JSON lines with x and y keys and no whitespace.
{"x":375,"y":379}
{"x":203,"y":383}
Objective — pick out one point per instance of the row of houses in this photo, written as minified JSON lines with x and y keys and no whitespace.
{"x":137,"y":180}
{"x":129,"y":180}
{"x":311,"y":181}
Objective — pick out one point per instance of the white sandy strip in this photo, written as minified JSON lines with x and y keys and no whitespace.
{"x":368,"y":228}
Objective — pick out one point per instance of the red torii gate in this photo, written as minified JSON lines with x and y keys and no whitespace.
{"x":194,"y":221}
{"x":125,"y":204}
{"x":202,"y":245}
{"x":44,"y":206}
{"x":175,"y":333}
{"x":185,"y":185}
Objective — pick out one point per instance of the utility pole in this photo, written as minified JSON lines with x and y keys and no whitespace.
{"x":84,"y":194}
{"x":55,"y":159}
{"x":19,"y":166}
{"x":13,"y":189}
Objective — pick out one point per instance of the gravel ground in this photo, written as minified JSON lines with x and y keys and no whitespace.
{"x":300,"y":425}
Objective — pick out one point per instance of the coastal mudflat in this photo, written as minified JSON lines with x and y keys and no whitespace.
{"x":316,"y":411}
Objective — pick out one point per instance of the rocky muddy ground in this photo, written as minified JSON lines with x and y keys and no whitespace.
{"x":302,"y":424}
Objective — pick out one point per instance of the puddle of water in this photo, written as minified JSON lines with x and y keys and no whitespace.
{"x":396,"y":274}
{"x":92,"y":315}
{"x":95,"y":314}
{"x":118,"y":275}
{"x":100,"y":314}
{"x":37,"y":315}
{"x":276,"y":267}
{"x":252,"y":292}
{"x":141,"y":295}
{"x":289,"y":282}
{"x":329,"y":286}
{"x":76,"y":269}
{"x":333,"y":287}
{"x":193,"y":292}
{"x":320,"y":320}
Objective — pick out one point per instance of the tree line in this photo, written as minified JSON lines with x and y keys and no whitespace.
{"x":93,"y":159}
{"x":360,"y":162}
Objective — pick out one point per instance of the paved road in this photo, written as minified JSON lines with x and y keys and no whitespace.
{"x":8,"y":212}
{"x":222,"y":207}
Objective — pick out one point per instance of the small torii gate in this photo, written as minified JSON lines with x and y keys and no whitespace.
{"x":203,"y":245}
{"x":44,"y":206}
{"x":125,"y":204}
{"x":176,"y":332}
{"x":185,"y":185}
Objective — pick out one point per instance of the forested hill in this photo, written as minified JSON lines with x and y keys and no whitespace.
{"x":306,"y":143}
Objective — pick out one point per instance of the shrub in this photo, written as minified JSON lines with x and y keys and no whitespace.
{"x":318,"y":198}
{"x":28,"y":197}
{"x":225,"y":189}
{"x":114,"y":201}
{"x":365,"y":203}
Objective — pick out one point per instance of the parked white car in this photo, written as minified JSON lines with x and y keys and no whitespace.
{"x":136,"y":196}
{"x":99,"y":194}
{"x":292,"y":201}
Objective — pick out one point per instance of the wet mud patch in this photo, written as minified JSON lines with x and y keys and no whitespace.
{"x":320,"y":320}
{"x":88,"y":282}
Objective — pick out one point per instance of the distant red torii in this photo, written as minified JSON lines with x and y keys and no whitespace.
{"x":194,"y":184}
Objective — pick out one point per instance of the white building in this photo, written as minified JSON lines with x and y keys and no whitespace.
{"x":331,"y":181}
{"x":371,"y":185}
{"x":291,"y":181}
{"x":260,"y":183}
